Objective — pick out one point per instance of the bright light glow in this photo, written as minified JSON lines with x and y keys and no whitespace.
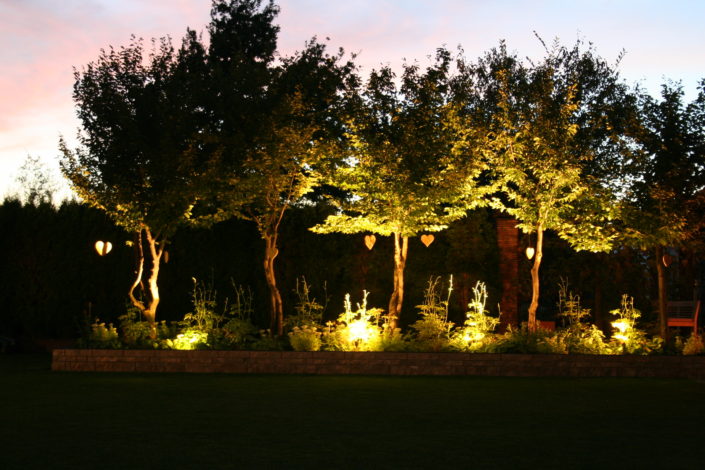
{"x":530,"y":252}
{"x":622,"y":326}
{"x":103,"y":248}
{"x":359,"y":330}
{"x":189,"y":340}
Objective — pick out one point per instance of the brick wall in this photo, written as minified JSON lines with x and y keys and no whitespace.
{"x":508,"y":244}
{"x":378,"y":363}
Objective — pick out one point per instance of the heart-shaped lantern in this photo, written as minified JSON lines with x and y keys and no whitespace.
{"x":427,"y":239}
{"x":103,"y":248}
{"x":370,"y":241}
{"x":530,"y":252}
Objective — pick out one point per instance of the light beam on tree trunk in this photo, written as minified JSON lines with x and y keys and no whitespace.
{"x":401,"y":247}
{"x":535,"y":278}
{"x":148,"y":308}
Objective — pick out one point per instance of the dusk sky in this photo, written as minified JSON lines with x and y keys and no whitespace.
{"x":44,"y":39}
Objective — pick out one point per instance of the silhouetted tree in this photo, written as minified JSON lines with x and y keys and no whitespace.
{"x":662,"y":206}
{"x":144,"y":150}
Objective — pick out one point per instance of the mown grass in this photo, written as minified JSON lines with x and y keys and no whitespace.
{"x":54,"y":420}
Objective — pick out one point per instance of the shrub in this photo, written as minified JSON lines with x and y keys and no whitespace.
{"x":525,"y":341}
{"x":433,"y":329}
{"x":694,"y":345}
{"x":305,"y":338}
{"x":360,"y":330}
{"x":135,"y":332}
{"x":309,"y":312}
{"x":100,"y":336}
{"x":577,"y":337}
{"x":475,"y":333}
{"x":191,"y":338}
{"x":626,"y":337}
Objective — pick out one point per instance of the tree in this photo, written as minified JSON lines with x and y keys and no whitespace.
{"x":553,"y":120}
{"x":283,"y":160}
{"x":662,"y":206}
{"x":36,"y":183}
{"x":144,"y":148}
{"x":409,"y":167}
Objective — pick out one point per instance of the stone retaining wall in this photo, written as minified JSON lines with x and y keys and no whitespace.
{"x":378,"y":363}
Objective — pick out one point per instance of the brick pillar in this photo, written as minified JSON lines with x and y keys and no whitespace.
{"x":508,"y":243}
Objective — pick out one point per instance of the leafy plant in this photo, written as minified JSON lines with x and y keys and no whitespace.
{"x":309,"y":312}
{"x":305,"y":338}
{"x":135,"y":331}
{"x":478,"y":324}
{"x":694,"y":345}
{"x":191,"y":338}
{"x":524,"y":341}
{"x":203,"y":317}
{"x":359,"y":330}
{"x":577,"y":337}
{"x":101,"y":336}
{"x":626,"y":337}
{"x":433,"y":329}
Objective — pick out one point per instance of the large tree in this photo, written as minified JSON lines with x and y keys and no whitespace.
{"x":144,"y":151}
{"x":409,"y":167}
{"x":664,"y":204}
{"x":296,"y":115}
{"x":553,"y":120}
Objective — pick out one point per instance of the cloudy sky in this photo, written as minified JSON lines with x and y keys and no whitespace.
{"x":44,"y":39}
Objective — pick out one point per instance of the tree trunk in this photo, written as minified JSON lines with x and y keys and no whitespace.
{"x":271,"y":251}
{"x":401,"y":247}
{"x":533,"y":307}
{"x":148,"y":308}
{"x":661,"y":275}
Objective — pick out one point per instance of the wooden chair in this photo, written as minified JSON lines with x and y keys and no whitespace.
{"x":683,"y":313}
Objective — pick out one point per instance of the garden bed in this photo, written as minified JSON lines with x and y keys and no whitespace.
{"x":378,"y":363}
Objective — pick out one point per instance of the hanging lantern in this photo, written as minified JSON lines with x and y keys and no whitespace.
{"x":667,"y":260}
{"x":103,"y":248}
{"x":370,"y":241}
{"x":530,"y":252}
{"x":427,"y":239}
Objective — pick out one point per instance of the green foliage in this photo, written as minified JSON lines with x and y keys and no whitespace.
{"x":433,"y":328}
{"x":405,"y":159}
{"x":577,"y":337}
{"x":362,"y":329}
{"x":204,"y":316}
{"x":474,"y":334}
{"x":309,"y":312}
{"x":626,"y":337}
{"x":524,"y":341}
{"x":100,"y":336}
{"x":190,"y":338}
{"x":305,"y":338}
{"x":135,"y":332}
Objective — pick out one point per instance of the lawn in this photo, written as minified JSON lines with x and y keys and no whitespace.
{"x":56,"y":420}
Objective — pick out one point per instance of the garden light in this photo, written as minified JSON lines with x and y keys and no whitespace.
{"x":103,"y":248}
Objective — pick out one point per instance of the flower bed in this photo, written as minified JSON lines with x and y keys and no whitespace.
{"x":378,"y":363}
